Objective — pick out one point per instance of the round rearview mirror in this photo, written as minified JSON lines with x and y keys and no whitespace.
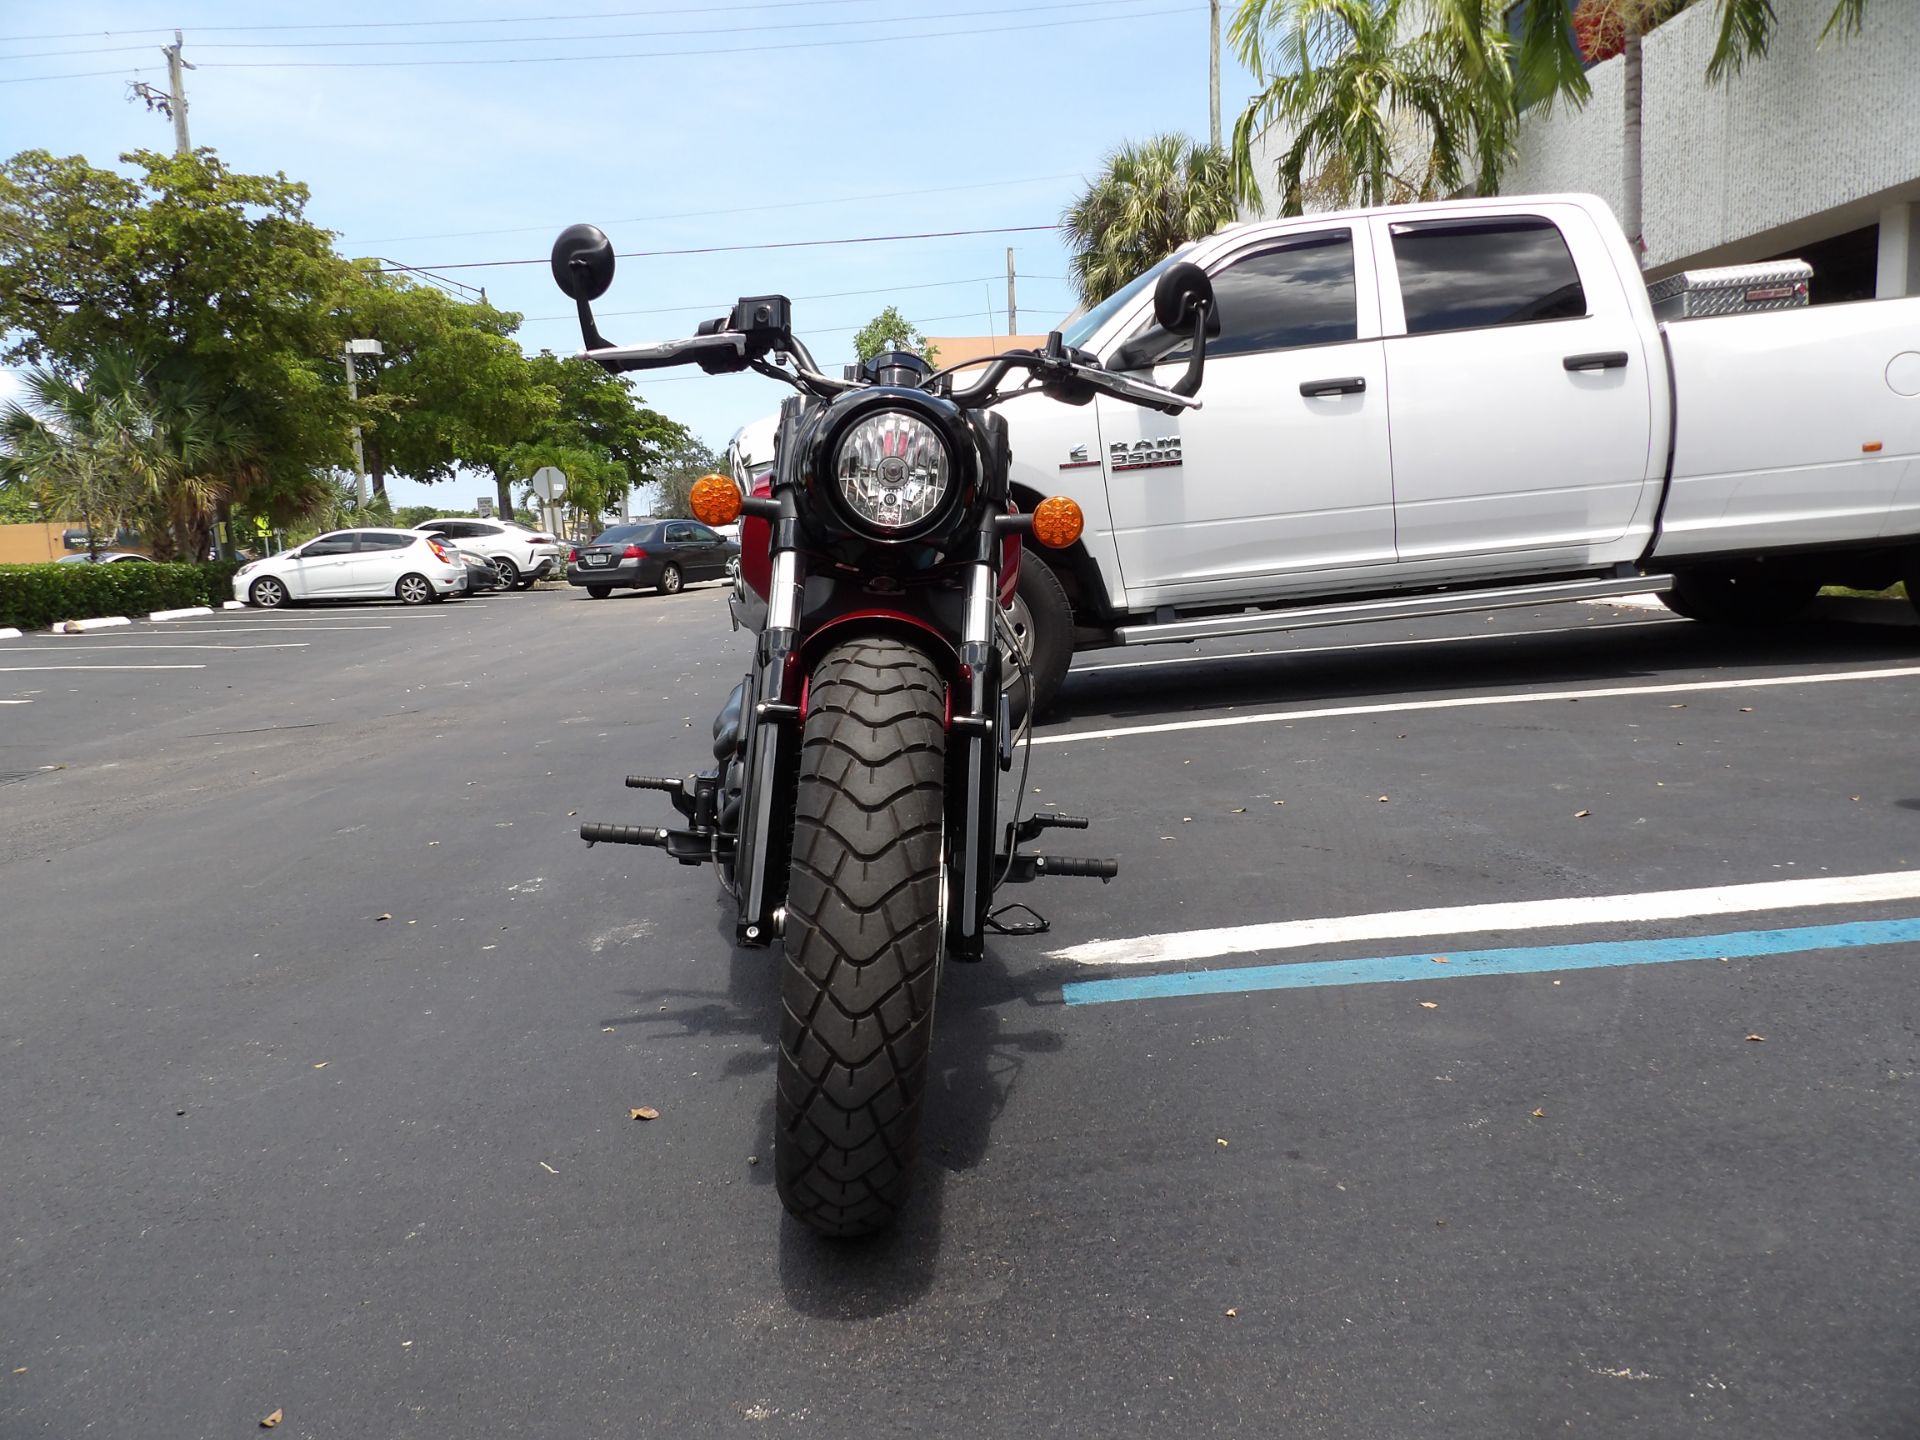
{"x":1181,"y":290}
{"x":583,"y":262}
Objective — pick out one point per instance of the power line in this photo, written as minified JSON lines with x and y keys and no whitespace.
{"x":746,"y":209}
{"x":723,"y":305}
{"x":78,"y":75}
{"x":763,"y":245}
{"x":423,"y":24}
{"x":677,"y":54}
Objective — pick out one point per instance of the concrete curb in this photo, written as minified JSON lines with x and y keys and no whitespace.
{"x":233,"y":605}
{"x":9,"y":633}
{"x":181,"y":614}
{"x":99,"y":622}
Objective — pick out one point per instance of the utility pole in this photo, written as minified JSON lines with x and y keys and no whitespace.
{"x":177,"y":85}
{"x":1213,"y":65}
{"x":347,"y":352}
{"x":1013,"y":327}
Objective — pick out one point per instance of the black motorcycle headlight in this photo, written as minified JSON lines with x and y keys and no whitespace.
{"x":893,"y":470}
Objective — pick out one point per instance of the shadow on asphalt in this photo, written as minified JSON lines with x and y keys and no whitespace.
{"x":1610,"y":652}
{"x":978,"y":1056}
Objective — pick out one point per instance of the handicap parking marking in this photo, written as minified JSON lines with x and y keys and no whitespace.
{"x":1498,"y":917}
{"x":1403,"y":969}
{"x":1238,"y":655}
{"x":1466,"y":702}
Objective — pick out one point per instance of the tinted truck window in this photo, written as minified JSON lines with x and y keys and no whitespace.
{"x":1297,"y":293}
{"x":1465,"y":275}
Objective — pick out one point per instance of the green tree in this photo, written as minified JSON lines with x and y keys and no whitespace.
{"x":599,"y":413}
{"x":96,"y":450}
{"x":1148,"y":200}
{"x":450,"y":386}
{"x":674,"y":477}
{"x":214,"y":280}
{"x":890,"y":330}
{"x":1380,"y":112}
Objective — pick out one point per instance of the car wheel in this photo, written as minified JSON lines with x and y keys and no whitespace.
{"x":670,"y":581}
{"x":733,"y":567}
{"x":508,"y":572}
{"x":1042,"y":622}
{"x":267,"y":592}
{"x":599,"y":592}
{"x":414,"y":590}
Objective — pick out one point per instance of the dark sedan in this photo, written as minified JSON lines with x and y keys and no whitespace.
{"x":650,"y":554}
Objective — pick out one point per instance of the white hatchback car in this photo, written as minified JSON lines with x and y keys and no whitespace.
{"x":401,"y":565}
{"x":519,"y":556}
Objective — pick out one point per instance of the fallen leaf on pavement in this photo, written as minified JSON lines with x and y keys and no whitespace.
{"x":1239,"y":809}
{"x":1746,"y":709}
{"x":1429,"y":1004}
{"x":1383,"y":799}
{"x":1581,"y":814}
{"x":1232,"y":1314}
{"x":387,"y":916}
{"x":1756,"y":1037}
{"x":643,"y":1112}
{"x":548,"y":1168}
{"x":1539,"y":1114}
{"x":1221,"y":1143}
{"x":1441,"y":960}
{"x":323,"y":1065}
{"x":267,"y":1422}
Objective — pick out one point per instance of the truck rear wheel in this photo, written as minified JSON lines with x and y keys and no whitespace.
{"x":1747,"y":595}
{"x":864,"y":935}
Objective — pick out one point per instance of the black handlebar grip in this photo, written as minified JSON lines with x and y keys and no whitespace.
{"x":596,"y":833}
{"x":1075,"y":865}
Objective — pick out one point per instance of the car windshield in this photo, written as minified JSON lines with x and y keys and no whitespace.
{"x":625,"y":535}
{"x":1080,"y":331}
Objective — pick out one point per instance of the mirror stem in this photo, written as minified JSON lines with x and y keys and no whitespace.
{"x":590,"y":332}
{"x":1189,"y":383}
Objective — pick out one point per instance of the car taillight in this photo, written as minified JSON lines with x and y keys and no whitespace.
{"x":544,"y":540}
{"x":439,"y":550}
{"x":573,"y":553}
{"x":633,"y":552}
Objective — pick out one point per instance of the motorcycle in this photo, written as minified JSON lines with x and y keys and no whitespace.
{"x":853,"y":808}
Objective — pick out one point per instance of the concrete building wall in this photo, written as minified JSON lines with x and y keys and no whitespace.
{"x":1571,"y":149}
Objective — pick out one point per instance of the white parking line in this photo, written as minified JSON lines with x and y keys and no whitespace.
{"x":164,"y":645}
{"x":21,"y":668}
{"x":1372,"y":645}
{"x":1466,"y":702}
{"x":1498,"y":918}
{"x":247,"y":630}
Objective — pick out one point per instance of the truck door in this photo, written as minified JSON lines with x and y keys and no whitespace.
{"x":1286,"y":469}
{"x":1522,"y":414}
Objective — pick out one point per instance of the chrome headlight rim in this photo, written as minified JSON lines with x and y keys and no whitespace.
{"x":955,"y":443}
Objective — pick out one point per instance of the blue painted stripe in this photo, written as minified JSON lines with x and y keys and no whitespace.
{"x":1395,"y":969}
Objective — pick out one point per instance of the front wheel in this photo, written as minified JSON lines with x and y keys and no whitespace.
{"x":864,"y":936}
{"x":267,"y":593}
{"x":1042,"y":622}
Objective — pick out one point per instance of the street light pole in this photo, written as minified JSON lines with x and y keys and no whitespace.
{"x":347,"y":352}
{"x":1213,"y":66}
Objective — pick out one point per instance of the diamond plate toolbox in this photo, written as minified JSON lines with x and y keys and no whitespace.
{"x":1732,"y":290}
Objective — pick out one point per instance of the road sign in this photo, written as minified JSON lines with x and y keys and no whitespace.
{"x":549,"y":482}
{"x":484,"y":505}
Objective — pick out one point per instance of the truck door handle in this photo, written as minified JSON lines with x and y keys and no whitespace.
{"x":1348,"y":385}
{"x":1598,"y":360}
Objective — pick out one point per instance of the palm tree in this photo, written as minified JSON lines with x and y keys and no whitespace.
{"x":92,"y":449}
{"x":1149,"y":200}
{"x":1382,"y":109}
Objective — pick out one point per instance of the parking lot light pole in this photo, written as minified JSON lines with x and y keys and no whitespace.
{"x":347,"y":352}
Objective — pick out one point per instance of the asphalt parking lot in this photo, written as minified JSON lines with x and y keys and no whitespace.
{"x":321,"y":1031}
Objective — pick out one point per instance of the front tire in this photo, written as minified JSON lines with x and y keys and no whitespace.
{"x":267,"y":593}
{"x":671,"y":580}
{"x":1744,"y":595}
{"x":599,"y":592}
{"x":508,"y":572}
{"x":864,"y":936}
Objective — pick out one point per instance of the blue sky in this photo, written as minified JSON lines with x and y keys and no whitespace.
{"x":1001,"y":110}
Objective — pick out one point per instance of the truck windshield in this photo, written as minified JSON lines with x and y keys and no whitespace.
{"x":1080,"y":331}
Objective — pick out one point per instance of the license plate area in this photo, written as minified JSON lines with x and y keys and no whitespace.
{"x":596,"y":559}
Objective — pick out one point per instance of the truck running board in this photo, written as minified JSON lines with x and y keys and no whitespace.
{"x":1397,"y":607}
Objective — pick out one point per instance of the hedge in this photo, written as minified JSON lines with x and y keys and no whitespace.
{"x":35,"y":596}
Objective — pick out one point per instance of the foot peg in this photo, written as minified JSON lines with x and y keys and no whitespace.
{"x":596,"y":833}
{"x":1022,"y":868}
{"x":1030,"y":828}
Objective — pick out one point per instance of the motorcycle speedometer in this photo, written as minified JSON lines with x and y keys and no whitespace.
{"x":893,"y":470}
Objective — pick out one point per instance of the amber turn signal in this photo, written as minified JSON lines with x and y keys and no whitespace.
{"x":715,"y":500}
{"x":1057,"y":522}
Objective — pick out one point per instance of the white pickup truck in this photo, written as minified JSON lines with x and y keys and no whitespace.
{"x":1461,"y":406}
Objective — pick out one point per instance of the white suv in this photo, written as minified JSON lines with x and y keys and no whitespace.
{"x":519,"y":556}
